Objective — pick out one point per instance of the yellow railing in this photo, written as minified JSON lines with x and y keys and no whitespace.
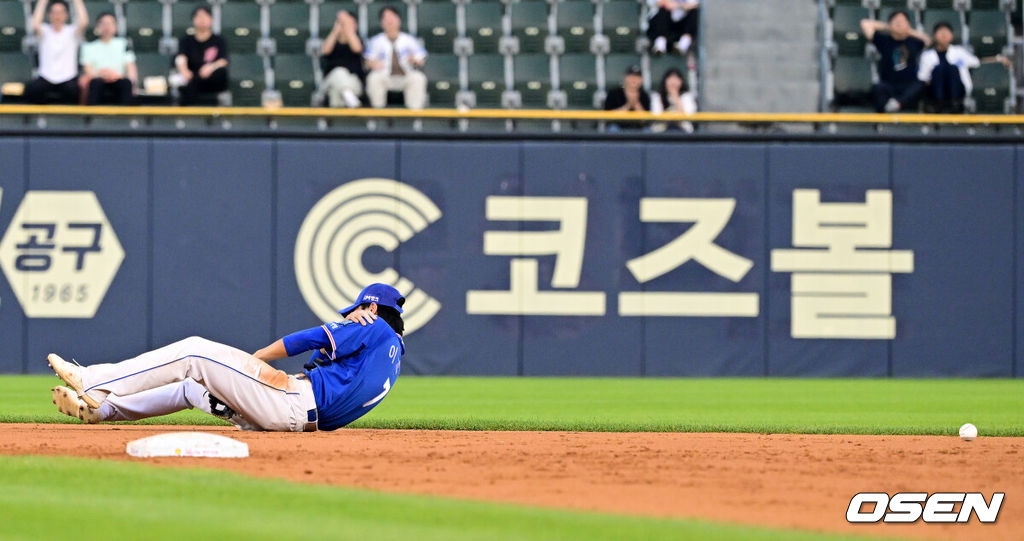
{"x":514,"y":114}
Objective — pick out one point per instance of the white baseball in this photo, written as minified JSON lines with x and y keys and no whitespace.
{"x":968,"y":432}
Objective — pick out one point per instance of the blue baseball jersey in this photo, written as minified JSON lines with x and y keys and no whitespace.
{"x":352,"y":369}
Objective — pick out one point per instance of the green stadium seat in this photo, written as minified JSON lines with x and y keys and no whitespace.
{"x":483,"y":24}
{"x":988,"y":35}
{"x":846,"y":30}
{"x":530,"y":25}
{"x":240,"y":25}
{"x":293,"y":78}
{"x":247,"y":81}
{"x":373,"y":16}
{"x":289,"y":26}
{"x":144,"y":20}
{"x":578,"y":79}
{"x":991,"y":88}
{"x":533,"y":79}
{"x":15,"y":67}
{"x":895,"y":4}
{"x":437,"y":26}
{"x":442,"y":71}
{"x":848,"y":3}
{"x":576,"y":24}
{"x":621,"y":23}
{"x":12,"y":25}
{"x":181,"y":16}
{"x":940,"y":4}
{"x":989,"y":5}
{"x":934,"y":16}
{"x":851,"y":80}
{"x":152,"y":64}
{"x":94,"y":8}
{"x":487,"y":79}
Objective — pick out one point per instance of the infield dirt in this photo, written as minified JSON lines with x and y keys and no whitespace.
{"x":780,"y":480}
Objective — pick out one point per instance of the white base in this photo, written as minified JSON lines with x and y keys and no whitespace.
{"x":189,"y":444}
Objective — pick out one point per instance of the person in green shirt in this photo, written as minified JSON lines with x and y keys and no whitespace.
{"x":108,"y":65}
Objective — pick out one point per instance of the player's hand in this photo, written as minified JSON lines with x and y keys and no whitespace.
{"x":362,"y":317}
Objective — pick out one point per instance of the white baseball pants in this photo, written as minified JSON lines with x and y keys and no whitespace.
{"x":263,"y":395}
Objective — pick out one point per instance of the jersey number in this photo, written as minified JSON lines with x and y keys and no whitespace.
{"x":378,"y":398}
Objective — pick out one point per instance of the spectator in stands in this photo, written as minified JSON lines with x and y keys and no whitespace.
{"x":673,"y":96}
{"x":900,"y":47}
{"x":672,"y":21}
{"x":343,"y":62}
{"x":202,"y":59}
{"x":108,"y":66}
{"x":58,"y":52}
{"x":944,"y":71}
{"x":631,"y":96}
{"x":395,"y":59}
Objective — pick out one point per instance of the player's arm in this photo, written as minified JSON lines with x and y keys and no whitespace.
{"x":272,"y":352}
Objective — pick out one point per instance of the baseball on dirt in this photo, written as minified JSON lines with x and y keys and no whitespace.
{"x":968,"y":432}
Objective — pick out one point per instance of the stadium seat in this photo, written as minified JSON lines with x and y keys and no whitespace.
{"x":895,"y":4}
{"x":621,"y":21}
{"x":852,"y":80}
{"x":15,"y":67}
{"x":529,"y":24}
{"x":247,"y":81}
{"x":934,"y":16}
{"x":940,"y":4}
{"x":181,"y":16}
{"x":988,"y":35}
{"x":576,"y":24}
{"x":289,"y":26}
{"x":94,"y":8}
{"x":533,"y":79}
{"x":991,"y":88}
{"x":437,"y":26}
{"x":145,"y":25}
{"x":152,"y":64}
{"x":373,"y":16}
{"x":293,"y":78}
{"x":483,"y":24}
{"x":578,"y":79}
{"x":12,"y":25}
{"x":989,"y":5}
{"x":487,"y":79}
{"x":846,"y":30}
{"x":240,"y":25}
{"x":442,"y":71}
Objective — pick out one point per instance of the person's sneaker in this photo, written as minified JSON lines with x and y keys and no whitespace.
{"x":660,"y":45}
{"x":892,"y":106}
{"x":351,"y":100}
{"x":69,"y":404}
{"x":683,"y":45}
{"x":72,"y":375}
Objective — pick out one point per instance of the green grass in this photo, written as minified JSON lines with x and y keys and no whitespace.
{"x":821,"y":406}
{"x":66,"y":498}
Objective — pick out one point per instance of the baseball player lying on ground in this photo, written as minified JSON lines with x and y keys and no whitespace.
{"x":354,"y":365}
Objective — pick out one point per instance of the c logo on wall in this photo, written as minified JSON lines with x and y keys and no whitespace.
{"x":342,"y":226}
{"x":60,"y":254}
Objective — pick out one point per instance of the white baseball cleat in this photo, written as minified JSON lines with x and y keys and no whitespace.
{"x":71,"y":374}
{"x":69,"y":404}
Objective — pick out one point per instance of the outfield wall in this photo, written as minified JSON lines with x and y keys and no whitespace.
{"x":628,"y":258}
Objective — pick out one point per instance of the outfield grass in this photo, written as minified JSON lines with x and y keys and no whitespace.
{"x":67,"y":498}
{"x":820,"y":406}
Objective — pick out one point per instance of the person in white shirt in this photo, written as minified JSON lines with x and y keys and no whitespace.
{"x":945,"y":70}
{"x":673,"y":96}
{"x":395,"y":59}
{"x":672,"y":21}
{"x":108,"y":66}
{"x":57,"y":77}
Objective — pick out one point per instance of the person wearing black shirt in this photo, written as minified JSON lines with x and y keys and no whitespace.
{"x":631,"y":96}
{"x":202,"y":59}
{"x":342,"y":62}
{"x":900,"y":48}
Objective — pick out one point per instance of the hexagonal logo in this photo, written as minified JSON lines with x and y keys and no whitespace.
{"x":60,"y":254}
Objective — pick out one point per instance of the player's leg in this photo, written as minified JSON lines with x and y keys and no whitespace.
{"x":165,"y":400}
{"x":266,"y":396}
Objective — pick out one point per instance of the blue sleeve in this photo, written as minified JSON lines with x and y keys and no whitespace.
{"x":313,"y":338}
{"x":345,"y":338}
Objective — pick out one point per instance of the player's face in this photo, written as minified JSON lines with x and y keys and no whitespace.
{"x":943,"y":37}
